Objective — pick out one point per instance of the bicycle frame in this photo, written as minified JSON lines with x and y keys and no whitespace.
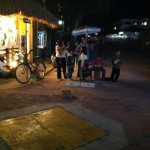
{"x":33,"y":66}
{"x":25,"y":59}
{"x":28,"y":68}
{"x":29,"y":63}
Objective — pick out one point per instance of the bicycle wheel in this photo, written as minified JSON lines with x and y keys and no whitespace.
{"x":41,"y":69}
{"x":22,"y":73}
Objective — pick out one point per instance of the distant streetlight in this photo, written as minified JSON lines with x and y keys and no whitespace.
{"x":61,"y":23}
{"x":115,"y":28}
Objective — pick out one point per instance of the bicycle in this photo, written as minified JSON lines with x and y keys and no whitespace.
{"x":26,"y":69}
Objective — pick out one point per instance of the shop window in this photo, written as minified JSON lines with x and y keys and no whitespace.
{"x":42,"y":39}
{"x":10,"y":39}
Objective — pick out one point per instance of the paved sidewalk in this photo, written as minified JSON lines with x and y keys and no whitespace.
{"x":121,"y":108}
{"x":11,"y":83}
{"x":114,"y":140}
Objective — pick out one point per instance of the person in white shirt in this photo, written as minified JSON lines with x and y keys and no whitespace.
{"x":60,"y":59}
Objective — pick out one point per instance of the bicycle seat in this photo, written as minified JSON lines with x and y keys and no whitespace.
{"x":37,"y":57}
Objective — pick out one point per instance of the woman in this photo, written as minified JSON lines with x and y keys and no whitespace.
{"x":60,"y":60}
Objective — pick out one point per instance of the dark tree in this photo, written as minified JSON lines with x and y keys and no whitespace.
{"x":74,"y":13}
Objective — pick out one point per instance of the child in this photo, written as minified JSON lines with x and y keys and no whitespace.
{"x":70,"y":64}
{"x":99,"y":66}
{"x":116,"y":66}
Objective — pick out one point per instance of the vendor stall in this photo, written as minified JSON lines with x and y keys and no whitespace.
{"x":85,"y":31}
{"x":87,"y":40}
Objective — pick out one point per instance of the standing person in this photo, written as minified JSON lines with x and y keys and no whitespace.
{"x":68,"y":46}
{"x":98,"y":64}
{"x":78,"y":62}
{"x":70,"y":63}
{"x":60,"y":60}
{"x":83,"y":58}
{"x":116,"y":66}
{"x":78,"y":52}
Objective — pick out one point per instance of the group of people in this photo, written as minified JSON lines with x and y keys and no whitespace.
{"x":116,"y":66}
{"x":65,"y":62}
{"x":64,"y":59}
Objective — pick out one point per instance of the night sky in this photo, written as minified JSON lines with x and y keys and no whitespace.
{"x":120,"y":9}
{"x":130,"y":9}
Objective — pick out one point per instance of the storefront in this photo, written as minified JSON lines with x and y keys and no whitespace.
{"x":16,"y":28}
{"x":15,"y":38}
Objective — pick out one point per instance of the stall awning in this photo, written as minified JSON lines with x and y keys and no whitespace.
{"x":28,"y":8}
{"x":85,"y":31}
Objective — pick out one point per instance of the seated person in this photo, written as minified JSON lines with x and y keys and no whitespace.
{"x":4,"y":69}
{"x":98,"y":65}
{"x":84,"y":70}
{"x":87,"y":71}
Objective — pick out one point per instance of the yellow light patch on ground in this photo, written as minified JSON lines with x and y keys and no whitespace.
{"x":53,"y":129}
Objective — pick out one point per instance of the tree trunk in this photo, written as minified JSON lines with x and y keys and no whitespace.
{"x":78,"y":20}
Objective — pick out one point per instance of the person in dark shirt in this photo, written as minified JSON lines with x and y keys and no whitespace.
{"x":70,"y":63}
{"x":116,"y":66}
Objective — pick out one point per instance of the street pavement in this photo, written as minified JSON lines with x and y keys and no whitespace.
{"x":121,"y":108}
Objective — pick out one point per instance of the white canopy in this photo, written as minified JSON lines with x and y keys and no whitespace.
{"x":85,"y":30}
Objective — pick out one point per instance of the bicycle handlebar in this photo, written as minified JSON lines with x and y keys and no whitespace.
{"x":28,"y":52}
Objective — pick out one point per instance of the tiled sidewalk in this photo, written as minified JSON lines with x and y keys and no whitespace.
{"x":11,"y":83}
